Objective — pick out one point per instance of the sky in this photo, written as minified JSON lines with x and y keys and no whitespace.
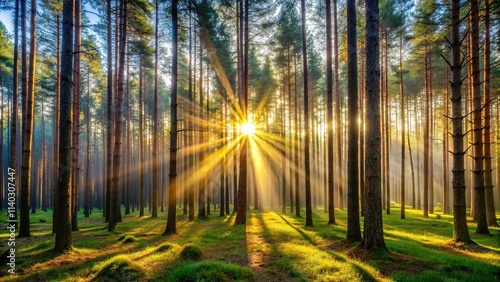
{"x":6,"y":19}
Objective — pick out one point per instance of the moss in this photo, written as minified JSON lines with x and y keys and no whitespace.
{"x":164,"y":248}
{"x":127,"y":239}
{"x":191,"y":252}
{"x":120,"y":268}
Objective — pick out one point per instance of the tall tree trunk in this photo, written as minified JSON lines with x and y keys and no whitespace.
{"x":361,"y":116}
{"x":353,"y":227}
{"x":241,"y":213}
{"x":24,"y":226}
{"x":426,"y":133}
{"x":172,"y":191}
{"x":283,"y":149}
{"x":56,"y":109}
{"x":154,"y":213}
{"x":401,"y":93}
{"x":115,"y":188}
{"x":296,"y":143}
{"x":86,"y":206}
{"x":329,"y":110}
{"x":191,"y":115}
{"x":478,"y":171}
{"x":141,"y":141}
{"x":460,"y":230}
{"x":373,"y":228}
{"x":15,"y":88}
{"x":62,"y":206}
{"x":202,"y":179}
{"x":128,"y":148}
{"x":387,"y":125}
{"x":75,"y":173}
{"x":446,"y":181}
{"x":410,"y":153}
{"x":488,"y":178}
{"x":336,"y":80}
{"x":24,"y":192}
{"x":307,"y":164}
{"x":109,"y":125}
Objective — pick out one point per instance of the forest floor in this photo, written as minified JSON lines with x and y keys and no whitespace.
{"x":271,"y":247}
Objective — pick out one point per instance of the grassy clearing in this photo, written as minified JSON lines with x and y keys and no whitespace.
{"x":271,"y":247}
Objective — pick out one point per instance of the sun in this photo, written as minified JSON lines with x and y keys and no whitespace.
{"x":248,"y":129}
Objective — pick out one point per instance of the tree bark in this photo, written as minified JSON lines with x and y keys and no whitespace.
{"x":401,"y":93}
{"x":460,"y":230}
{"x":426,"y":134}
{"x":488,"y":171}
{"x":109,"y":125}
{"x":373,"y":228}
{"x":115,"y":188}
{"x":329,"y":111}
{"x":62,"y":206}
{"x":154,"y":213}
{"x":26,"y":181}
{"x":191,"y":123}
{"x":75,"y":173}
{"x":307,"y":164}
{"x":171,"y":227}
{"x":15,"y":88}
{"x":24,"y":229}
{"x":141,"y":141}
{"x":478,"y":170}
{"x":86,"y":206}
{"x":241,"y":214}
{"x":353,"y":227}
{"x":56,"y":111}
{"x":336,"y":94}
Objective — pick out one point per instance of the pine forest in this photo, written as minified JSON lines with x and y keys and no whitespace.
{"x":249,"y":140}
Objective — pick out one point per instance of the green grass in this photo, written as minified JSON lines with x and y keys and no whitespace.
{"x":271,"y":247}
{"x":211,"y":271}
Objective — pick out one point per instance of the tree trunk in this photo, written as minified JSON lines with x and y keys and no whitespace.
{"x":115,"y":191}
{"x":141,"y":141}
{"x":336,"y":94}
{"x":361,"y":117}
{"x":329,"y":110}
{"x":109,"y":125}
{"x":353,"y":227}
{"x":56,"y":109}
{"x":373,"y":228}
{"x":128,"y":149}
{"x":426,"y":134}
{"x":488,"y":178}
{"x":62,"y":206}
{"x":86,"y":206}
{"x":411,"y":156}
{"x":15,"y":88}
{"x":296,"y":145}
{"x":202,"y":179}
{"x":154,"y":213}
{"x":172,"y":191}
{"x":478,"y":170}
{"x":307,"y":164}
{"x":191,"y":123}
{"x":75,"y":174}
{"x":460,"y":230}
{"x":241,"y":214}
{"x":446,"y":181}
{"x":401,"y":93}
{"x":24,"y":229}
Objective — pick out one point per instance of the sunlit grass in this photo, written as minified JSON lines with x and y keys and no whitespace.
{"x":274,"y":246}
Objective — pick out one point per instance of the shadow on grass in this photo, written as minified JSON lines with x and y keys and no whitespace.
{"x":304,"y":235}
